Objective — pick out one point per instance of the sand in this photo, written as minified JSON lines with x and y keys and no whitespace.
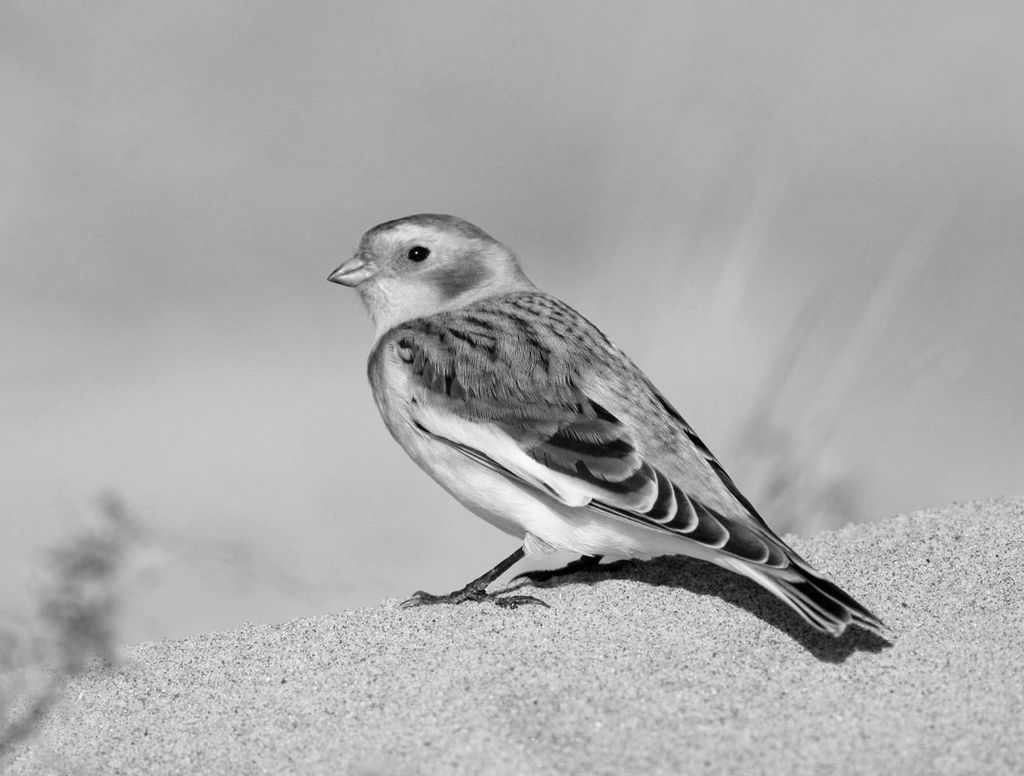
{"x":671,"y":667}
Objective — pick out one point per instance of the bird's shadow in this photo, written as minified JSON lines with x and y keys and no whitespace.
{"x":705,"y":578}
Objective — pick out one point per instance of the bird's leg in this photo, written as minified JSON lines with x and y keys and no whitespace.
{"x":477,"y":590}
{"x":587,"y":564}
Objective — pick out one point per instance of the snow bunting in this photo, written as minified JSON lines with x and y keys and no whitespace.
{"x":528,"y":415}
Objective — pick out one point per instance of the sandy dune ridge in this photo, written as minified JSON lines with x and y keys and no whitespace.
{"x":672,"y":667}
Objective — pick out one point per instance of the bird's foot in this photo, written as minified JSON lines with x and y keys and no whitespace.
{"x":470,"y":593}
{"x":477,"y":590}
{"x":588,"y":564}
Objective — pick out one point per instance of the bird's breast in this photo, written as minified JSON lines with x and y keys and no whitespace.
{"x":392,"y":388}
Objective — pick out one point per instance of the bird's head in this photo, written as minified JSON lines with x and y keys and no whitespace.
{"x":424,"y":264}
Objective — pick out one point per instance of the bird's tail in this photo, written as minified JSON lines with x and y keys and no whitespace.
{"x":821,"y":602}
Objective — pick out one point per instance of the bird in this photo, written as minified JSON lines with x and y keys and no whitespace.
{"x":530,"y":417}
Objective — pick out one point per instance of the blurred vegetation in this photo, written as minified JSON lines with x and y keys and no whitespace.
{"x":783,"y":459}
{"x":79,"y":598}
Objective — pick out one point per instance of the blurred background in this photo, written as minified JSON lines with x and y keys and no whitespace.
{"x":803,"y":220}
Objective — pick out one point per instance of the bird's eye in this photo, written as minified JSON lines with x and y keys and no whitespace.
{"x":418,"y":253}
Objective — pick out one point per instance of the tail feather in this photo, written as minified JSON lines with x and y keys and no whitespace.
{"x":822,"y":603}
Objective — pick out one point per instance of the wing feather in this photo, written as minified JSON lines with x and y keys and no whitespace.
{"x":504,"y":393}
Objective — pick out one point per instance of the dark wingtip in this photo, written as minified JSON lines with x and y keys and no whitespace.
{"x":841,"y":609}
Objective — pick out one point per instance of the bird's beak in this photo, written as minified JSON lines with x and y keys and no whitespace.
{"x":353,"y":272}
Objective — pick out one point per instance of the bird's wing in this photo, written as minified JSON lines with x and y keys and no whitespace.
{"x":703,"y":451}
{"x":505,"y":391}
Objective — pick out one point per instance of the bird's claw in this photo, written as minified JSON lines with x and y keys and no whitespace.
{"x":515,"y":601}
{"x":421,"y":598}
